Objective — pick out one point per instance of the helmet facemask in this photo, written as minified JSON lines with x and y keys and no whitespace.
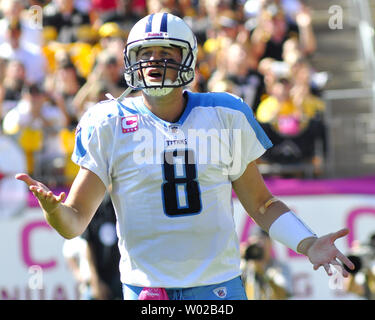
{"x":135,"y":71}
{"x":160,"y":30}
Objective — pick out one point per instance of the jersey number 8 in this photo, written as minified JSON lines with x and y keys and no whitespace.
{"x":180,"y":190}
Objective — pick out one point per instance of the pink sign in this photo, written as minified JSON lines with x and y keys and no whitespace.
{"x":27,"y":257}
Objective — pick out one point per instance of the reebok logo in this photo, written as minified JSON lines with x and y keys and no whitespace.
{"x":220,"y":292}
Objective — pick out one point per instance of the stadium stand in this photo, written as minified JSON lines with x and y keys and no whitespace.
{"x":342,"y":74}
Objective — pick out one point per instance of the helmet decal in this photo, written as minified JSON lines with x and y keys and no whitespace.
{"x":164,"y":23}
{"x":162,"y":27}
{"x":149,"y":23}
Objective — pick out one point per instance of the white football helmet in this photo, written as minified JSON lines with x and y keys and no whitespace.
{"x":160,"y":29}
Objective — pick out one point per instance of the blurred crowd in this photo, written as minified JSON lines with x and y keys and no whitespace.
{"x":59,"y":57}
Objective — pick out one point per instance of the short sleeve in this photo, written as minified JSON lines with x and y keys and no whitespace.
{"x":248,"y":139}
{"x":92,"y":145}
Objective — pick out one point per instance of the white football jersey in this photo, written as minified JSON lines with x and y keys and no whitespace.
{"x":171,"y":184}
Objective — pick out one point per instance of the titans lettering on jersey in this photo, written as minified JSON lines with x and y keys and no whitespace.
{"x":171,"y":184}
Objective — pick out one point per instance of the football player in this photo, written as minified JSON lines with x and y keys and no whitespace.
{"x":170,"y":159}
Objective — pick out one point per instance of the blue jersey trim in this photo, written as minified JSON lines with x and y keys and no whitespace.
{"x":121,"y":106}
{"x":80,"y":151}
{"x":226,"y":100}
{"x":142,"y":109}
{"x":212,"y":99}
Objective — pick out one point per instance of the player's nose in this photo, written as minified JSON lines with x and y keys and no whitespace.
{"x":155,"y":55}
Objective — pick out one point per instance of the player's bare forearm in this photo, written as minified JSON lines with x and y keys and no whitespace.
{"x":61,"y":217}
{"x":66,"y":221}
{"x":69,"y":218}
{"x":266,"y":211}
{"x":265,"y":220}
{"x":253,"y":194}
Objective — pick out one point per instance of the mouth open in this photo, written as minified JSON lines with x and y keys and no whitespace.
{"x":155,"y":74}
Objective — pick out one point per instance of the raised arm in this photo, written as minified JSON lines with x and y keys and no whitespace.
{"x":275,"y":217}
{"x":70,"y":217}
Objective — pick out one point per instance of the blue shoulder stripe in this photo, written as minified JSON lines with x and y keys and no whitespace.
{"x":120,"y":106}
{"x":226,"y":100}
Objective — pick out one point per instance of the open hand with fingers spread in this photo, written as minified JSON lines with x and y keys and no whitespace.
{"x":323,"y":252}
{"x":71,"y":214}
{"x":47,"y":200}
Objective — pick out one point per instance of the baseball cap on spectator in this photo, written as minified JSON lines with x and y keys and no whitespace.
{"x":227,"y":21}
{"x":87,"y":33}
{"x":49,"y":33}
{"x":111,"y":30}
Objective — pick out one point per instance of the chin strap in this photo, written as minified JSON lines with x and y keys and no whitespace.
{"x":161,"y":90}
{"x":157,"y":92}
{"x":122,"y":96}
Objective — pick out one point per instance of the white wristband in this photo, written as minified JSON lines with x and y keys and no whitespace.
{"x":290,"y":230}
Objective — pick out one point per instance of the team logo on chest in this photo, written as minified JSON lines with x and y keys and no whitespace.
{"x":173,"y":129}
{"x":175,"y":136}
{"x":129,"y":124}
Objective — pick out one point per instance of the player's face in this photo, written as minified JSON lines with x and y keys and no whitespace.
{"x":155,"y":70}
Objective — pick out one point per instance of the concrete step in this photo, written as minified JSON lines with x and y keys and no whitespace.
{"x":352,"y":142}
